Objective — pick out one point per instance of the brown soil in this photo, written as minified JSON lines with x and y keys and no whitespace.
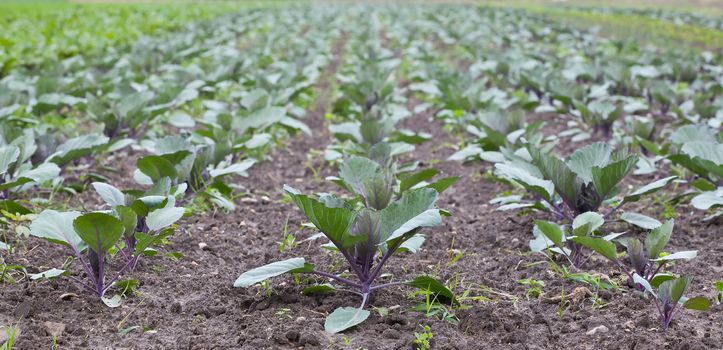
{"x":191,"y":304}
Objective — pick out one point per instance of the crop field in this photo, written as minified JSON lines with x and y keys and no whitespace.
{"x":332,"y":175}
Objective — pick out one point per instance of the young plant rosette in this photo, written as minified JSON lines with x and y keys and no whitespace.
{"x":366,"y":237}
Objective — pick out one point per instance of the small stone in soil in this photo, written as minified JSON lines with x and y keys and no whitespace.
{"x":598,"y":329}
{"x":67,"y":296}
{"x":249,"y":200}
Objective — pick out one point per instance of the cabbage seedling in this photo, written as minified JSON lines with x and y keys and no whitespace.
{"x":90,"y":236}
{"x":377,"y":185}
{"x":600,"y":114}
{"x":670,"y":297}
{"x":647,"y":259}
{"x":147,"y":217}
{"x":643,"y":259}
{"x":366,"y":237}
{"x":17,"y":171}
{"x":701,"y":152}
{"x":581,"y":184}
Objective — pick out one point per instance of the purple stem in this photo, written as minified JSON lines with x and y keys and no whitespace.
{"x":576,"y":250}
{"x":612,"y":210}
{"x":123,"y":252}
{"x":669,"y":317}
{"x":371,"y":250}
{"x":135,"y":259}
{"x":365,"y":298}
{"x":117,"y":276}
{"x":82,"y":283}
{"x":657,"y":306}
{"x":656,"y":270}
{"x":378,"y":268}
{"x":86,"y":267}
{"x":622,"y":267}
{"x":352,"y":263}
{"x":101,"y":275}
{"x":559,"y":214}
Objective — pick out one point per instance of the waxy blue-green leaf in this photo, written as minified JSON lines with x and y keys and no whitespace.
{"x":8,"y":156}
{"x":466,"y":153}
{"x":684,"y":255}
{"x":77,"y":147}
{"x":443,"y":184}
{"x":648,"y":189}
{"x":356,"y":171}
{"x":41,"y":173}
{"x":259,"y":274}
{"x":181,"y":119}
{"x":112,"y":302}
{"x":656,"y":240}
{"x":128,"y":218}
{"x":705,"y":150}
{"x":163,"y":217}
{"x":100,"y":231}
{"x":599,"y":245}
{"x":414,"y":210}
{"x":111,"y":195}
{"x":259,"y":119}
{"x":236,"y":169}
{"x":48,"y":274}
{"x":586,"y":223}
{"x":640,"y":220}
{"x":344,"y":318}
{"x":707,"y":200}
{"x":660,"y":277}
{"x":255,"y":100}
{"x":607,"y":178}
{"x":584,"y":159}
{"x":295,"y":124}
{"x":693,"y":133}
{"x":17,"y":182}
{"x":58,"y":227}
{"x":156,"y":167}
{"x":566,"y":182}
{"x":145,"y":241}
{"x":411,"y":180}
{"x":413,"y":244}
{"x":335,"y":223}
{"x":543,"y":188}
{"x":670,"y":292}
{"x":643,"y":282}
{"x":697,"y":303}
{"x":552,"y":231}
